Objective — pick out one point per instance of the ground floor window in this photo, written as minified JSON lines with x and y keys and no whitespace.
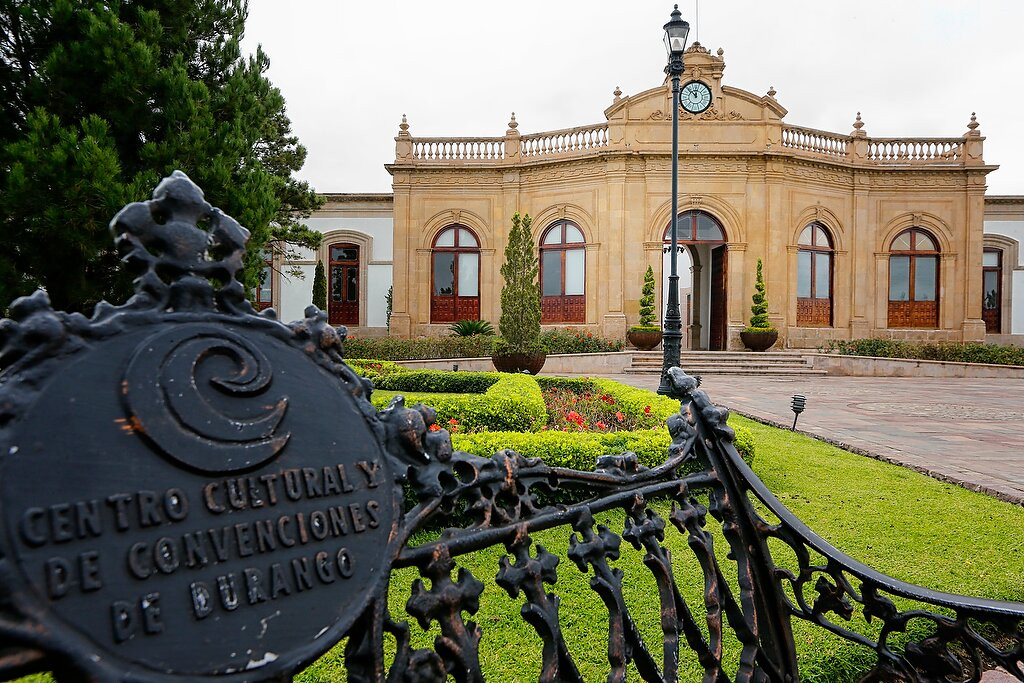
{"x":814,"y":277}
{"x":914,"y":280}
{"x":265,"y":292}
{"x":563,"y":274}
{"x":455,"y":276}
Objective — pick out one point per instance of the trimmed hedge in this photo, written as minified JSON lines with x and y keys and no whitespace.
{"x":580,"y":385}
{"x":512,"y":403}
{"x":374,"y":369}
{"x":397,"y":348}
{"x":580,"y":450}
{"x":438,"y":381}
{"x":972,"y":352}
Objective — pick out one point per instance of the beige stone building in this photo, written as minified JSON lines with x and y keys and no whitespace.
{"x":860,"y":236}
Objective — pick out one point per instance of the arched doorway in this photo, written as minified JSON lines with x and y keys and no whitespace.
{"x":701,"y":266}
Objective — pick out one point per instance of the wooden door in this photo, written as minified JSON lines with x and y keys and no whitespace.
{"x":717,"y":331}
{"x":343,"y":285}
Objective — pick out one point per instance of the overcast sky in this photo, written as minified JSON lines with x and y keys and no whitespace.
{"x":350,"y":69}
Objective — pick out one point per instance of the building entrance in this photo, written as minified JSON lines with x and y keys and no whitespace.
{"x":702,"y":267}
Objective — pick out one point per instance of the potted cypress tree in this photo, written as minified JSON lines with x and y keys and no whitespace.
{"x":645,"y":335}
{"x":519,"y":347}
{"x":759,"y":335}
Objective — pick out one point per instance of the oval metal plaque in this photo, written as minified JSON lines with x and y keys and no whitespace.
{"x":195,"y":499}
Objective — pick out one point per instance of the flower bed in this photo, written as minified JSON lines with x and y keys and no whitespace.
{"x":511,"y":403}
{"x":569,"y":340}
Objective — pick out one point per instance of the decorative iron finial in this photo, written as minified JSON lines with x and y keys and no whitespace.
{"x":617,"y":94}
{"x":771,"y":91}
{"x":512,"y":124}
{"x":403,"y":127}
{"x":182,"y":245}
{"x":973,"y":125}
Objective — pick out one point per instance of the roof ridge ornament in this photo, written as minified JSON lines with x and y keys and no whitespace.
{"x":972,"y":127}
{"x":857,"y":126}
{"x":616,"y":95}
{"x":403,"y":127}
{"x":771,"y":91}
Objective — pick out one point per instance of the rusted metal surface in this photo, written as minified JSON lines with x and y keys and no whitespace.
{"x":222,"y":501}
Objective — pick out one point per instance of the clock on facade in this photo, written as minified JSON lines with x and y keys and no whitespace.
{"x":695,"y":97}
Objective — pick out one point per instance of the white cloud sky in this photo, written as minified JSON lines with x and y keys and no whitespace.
{"x":914,"y":68}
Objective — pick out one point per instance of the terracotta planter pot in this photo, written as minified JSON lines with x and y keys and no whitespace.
{"x":517,"y":362}
{"x":759,"y":341}
{"x":645,"y":340}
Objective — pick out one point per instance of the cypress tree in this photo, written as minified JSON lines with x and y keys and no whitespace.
{"x":102,"y":100}
{"x":647,"y":300}
{"x":520,"y":296}
{"x":320,"y":287}
{"x":759,"y":320}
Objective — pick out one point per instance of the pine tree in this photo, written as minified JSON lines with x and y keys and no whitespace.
{"x":520,"y":296}
{"x":320,"y":287}
{"x":102,"y":100}
{"x":759,"y":320}
{"x":647,"y":300}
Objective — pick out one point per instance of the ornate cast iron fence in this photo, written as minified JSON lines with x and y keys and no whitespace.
{"x":224,"y":424}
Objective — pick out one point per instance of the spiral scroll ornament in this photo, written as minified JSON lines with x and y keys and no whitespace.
{"x":197,"y":393}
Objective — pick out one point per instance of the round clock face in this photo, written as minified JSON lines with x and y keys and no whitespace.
{"x":695,"y":97}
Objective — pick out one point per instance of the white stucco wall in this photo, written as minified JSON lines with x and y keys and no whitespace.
{"x":297,"y":293}
{"x":1014,"y":230}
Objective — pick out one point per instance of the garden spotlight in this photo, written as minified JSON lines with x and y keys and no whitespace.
{"x":799,"y":402}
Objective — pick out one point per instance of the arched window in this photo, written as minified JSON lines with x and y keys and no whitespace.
{"x":992,"y":289}
{"x":814,"y":277}
{"x":562,"y":274}
{"x":455,"y":276}
{"x":914,"y":280}
{"x":696,"y":226}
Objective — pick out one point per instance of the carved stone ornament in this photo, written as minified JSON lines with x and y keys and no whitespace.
{"x":190,"y":491}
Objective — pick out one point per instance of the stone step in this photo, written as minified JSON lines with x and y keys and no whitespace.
{"x":728,"y":370}
{"x":725,"y":361}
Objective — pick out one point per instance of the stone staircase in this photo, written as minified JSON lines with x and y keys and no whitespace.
{"x":779,"y":363}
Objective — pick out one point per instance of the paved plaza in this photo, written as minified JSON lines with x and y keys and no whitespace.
{"x":969,"y":431}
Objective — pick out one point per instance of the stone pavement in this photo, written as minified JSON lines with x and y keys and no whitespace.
{"x":966,"y":431}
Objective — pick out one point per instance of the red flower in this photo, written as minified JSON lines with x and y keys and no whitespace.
{"x":434,"y":428}
{"x":619,"y":416}
{"x":589,"y":334}
{"x":453,"y":422}
{"x":647,"y":410}
{"x":601,"y":425}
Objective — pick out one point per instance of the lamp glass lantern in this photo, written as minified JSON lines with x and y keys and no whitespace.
{"x":676,"y":31}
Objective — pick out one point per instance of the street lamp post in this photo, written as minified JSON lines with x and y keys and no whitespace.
{"x":676,"y":31}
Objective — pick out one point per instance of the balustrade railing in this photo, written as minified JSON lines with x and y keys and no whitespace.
{"x":927,"y":150}
{"x":815,"y":141}
{"x":458,"y":149}
{"x":564,"y":141}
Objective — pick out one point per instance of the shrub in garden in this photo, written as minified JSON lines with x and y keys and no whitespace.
{"x":374,"y":369}
{"x":520,"y":295}
{"x":567,"y":340}
{"x":577,"y":384}
{"x":395,"y":348}
{"x":468,"y":328}
{"x":971,"y":352}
